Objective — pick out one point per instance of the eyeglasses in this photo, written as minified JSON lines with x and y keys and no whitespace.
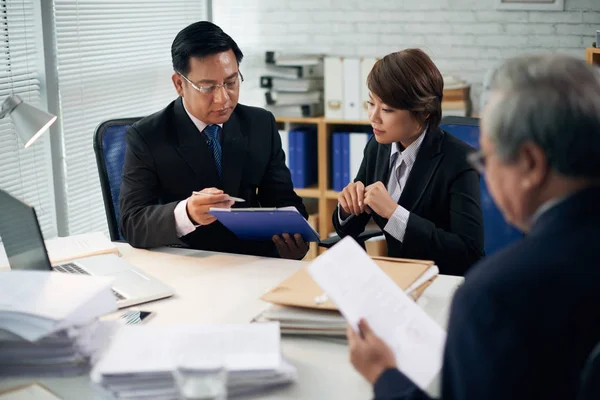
{"x":231,"y":86}
{"x":477,"y":161}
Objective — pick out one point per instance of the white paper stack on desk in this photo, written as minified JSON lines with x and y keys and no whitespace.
{"x":301,"y":307}
{"x":142,"y":360}
{"x":48,"y":322}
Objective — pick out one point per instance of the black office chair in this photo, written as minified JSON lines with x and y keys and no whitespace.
{"x":589,"y":388}
{"x":109,"y":146}
{"x":497,"y":233}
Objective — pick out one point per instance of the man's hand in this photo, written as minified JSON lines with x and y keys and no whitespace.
{"x":379,"y":200}
{"x":368,"y":353}
{"x":352,"y":200}
{"x":198,"y":205}
{"x":292,"y":248}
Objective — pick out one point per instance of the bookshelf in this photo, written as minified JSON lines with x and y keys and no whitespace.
{"x":325,"y":196}
{"x":592,"y":56}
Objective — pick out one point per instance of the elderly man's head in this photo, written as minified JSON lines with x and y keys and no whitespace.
{"x":540,"y":133}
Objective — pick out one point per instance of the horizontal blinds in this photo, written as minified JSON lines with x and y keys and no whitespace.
{"x":114,"y":61}
{"x":25,"y":173}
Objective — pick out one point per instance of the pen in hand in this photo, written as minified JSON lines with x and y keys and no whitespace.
{"x":236,"y":199}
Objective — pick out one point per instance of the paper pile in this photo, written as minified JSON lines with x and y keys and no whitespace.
{"x":48,"y":322}
{"x":302,"y":308}
{"x":143,"y":361}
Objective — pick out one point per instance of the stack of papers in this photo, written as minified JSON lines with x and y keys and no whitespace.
{"x":305,"y":321}
{"x":362,"y":290}
{"x":302,"y":307}
{"x":143,"y":361}
{"x":48,"y":322}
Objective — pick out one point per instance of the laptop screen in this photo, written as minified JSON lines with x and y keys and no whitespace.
{"x":21,"y":235}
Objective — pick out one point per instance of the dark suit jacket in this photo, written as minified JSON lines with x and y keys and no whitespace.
{"x":167,"y":158}
{"x":442,"y":195}
{"x":526,"y":318}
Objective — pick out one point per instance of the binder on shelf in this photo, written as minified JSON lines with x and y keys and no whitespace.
{"x":358,"y":142}
{"x":336,"y":150}
{"x":366,"y":65}
{"x":264,"y":223}
{"x":285,"y":145}
{"x":292,"y":98}
{"x":297,"y":111}
{"x":301,"y":72}
{"x":290,"y":85}
{"x":346,"y":179}
{"x":292,"y":142}
{"x":334,"y":88}
{"x":292,"y":60}
{"x":351,"y":89}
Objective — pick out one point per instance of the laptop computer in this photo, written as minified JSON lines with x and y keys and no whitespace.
{"x":25,"y":248}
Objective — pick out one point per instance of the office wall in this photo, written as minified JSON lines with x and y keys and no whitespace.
{"x":464,"y":37}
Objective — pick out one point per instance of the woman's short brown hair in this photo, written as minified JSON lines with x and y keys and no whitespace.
{"x":409,"y":80}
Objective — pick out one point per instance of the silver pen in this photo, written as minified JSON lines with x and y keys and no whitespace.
{"x":236,"y":199}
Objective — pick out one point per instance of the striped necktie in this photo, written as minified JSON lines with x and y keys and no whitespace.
{"x":214,"y":144}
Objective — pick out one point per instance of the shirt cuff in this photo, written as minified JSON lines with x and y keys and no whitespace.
{"x":340,"y":219}
{"x":396,"y":225}
{"x":394,"y":384}
{"x":183,"y":223}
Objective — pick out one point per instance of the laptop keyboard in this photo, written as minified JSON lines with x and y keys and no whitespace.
{"x":71,"y":268}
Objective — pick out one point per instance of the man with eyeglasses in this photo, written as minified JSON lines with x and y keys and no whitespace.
{"x":205,"y":141}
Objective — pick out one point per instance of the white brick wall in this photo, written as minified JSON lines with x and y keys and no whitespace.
{"x":464,"y":37}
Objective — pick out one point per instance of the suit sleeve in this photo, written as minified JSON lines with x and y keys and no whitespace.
{"x":276,"y":188}
{"x":355,"y":225}
{"x":461,"y":246}
{"x":393,"y":384}
{"x":144,"y":221}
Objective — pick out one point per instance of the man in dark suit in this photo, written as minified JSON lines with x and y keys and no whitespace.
{"x":526,"y":318}
{"x":204,"y":141}
{"x":414,"y":179}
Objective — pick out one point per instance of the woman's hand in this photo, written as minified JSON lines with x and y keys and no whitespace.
{"x":379,"y":200}
{"x":352,"y":199}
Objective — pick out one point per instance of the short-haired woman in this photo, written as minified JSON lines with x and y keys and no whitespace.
{"x":414,"y":179}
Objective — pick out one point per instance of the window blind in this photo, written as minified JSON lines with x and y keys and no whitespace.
{"x":24,"y":173}
{"x":114,"y":60}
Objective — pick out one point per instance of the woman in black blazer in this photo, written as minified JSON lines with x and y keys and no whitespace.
{"x":414,"y":179}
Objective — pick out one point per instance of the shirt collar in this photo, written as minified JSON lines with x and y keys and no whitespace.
{"x":199,"y":124}
{"x":410,"y":153}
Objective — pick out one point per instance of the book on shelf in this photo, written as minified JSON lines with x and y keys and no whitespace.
{"x":290,"y":85}
{"x":297,"y":111}
{"x":301,"y":72}
{"x":293,"y":99}
{"x":292,"y":60}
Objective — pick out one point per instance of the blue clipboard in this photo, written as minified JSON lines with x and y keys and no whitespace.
{"x":264,"y":223}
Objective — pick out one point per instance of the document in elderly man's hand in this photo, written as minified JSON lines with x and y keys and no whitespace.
{"x":361,"y":289}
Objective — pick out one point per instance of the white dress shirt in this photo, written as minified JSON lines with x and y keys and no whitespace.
{"x":401,"y":163}
{"x":183,"y":223}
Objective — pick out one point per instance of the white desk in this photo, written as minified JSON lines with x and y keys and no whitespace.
{"x":218,"y":288}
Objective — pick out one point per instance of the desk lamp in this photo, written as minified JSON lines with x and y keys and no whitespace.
{"x":30,"y":122}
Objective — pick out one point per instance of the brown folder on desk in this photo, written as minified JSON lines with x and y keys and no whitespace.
{"x":300,"y":290}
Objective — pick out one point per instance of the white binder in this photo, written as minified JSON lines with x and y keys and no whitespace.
{"x":334,"y":88}
{"x":352,"y":89}
{"x":366,"y":65}
{"x":358,"y":142}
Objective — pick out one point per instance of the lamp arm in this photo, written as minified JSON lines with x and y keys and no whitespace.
{"x":9,"y":104}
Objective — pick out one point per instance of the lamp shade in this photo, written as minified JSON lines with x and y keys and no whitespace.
{"x":30,"y":122}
